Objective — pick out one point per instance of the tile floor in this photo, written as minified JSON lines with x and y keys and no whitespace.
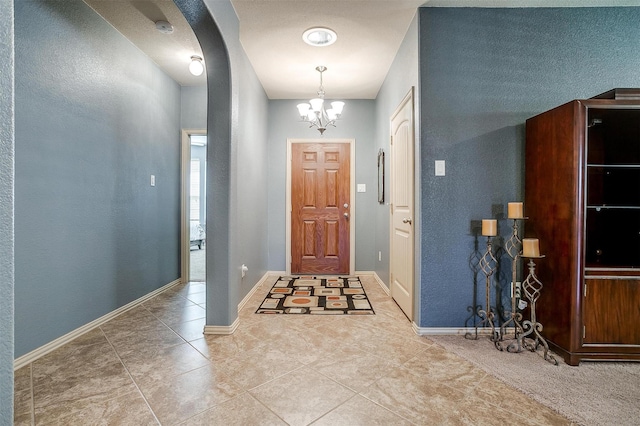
{"x":152,"y":365}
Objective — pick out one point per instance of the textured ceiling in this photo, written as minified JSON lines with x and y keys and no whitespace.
{"x":135,"y":19}
{"x":369,"y":34}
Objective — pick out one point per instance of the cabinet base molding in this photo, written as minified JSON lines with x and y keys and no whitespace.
{"x":575,"y":358}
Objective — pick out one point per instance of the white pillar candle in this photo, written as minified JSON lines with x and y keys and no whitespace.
{"x":515,"y":211}
{"x":530,"y":247}
{"x":489,"y":227}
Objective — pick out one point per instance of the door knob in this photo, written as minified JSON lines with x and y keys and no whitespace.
{"x":346,"y":206}
{"x":346,"y":215}
{"x":407,"y":220}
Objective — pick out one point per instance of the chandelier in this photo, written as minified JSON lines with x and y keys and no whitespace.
{"x":314,"y":112}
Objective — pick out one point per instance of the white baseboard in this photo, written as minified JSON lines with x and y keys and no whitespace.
{"x":222,"y":329}
{"x":62,"y":340}
{"x":230,"y":329}
{"x":262,"y":280}
{"x":382,"y":284}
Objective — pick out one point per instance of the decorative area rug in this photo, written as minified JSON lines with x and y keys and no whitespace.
{"x":321,"y":295}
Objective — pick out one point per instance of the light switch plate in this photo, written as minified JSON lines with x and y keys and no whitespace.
{"x":439,"y":167}
{"x":153,"y":180}
{"x":362,"y":187}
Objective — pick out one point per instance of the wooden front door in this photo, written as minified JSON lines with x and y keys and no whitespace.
{"x":402,"y":212}
{"x":320,"y":209}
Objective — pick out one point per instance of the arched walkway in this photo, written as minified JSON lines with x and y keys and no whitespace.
{"x":216,"y":58}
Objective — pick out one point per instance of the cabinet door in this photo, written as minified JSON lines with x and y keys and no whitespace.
{"x":611,"y":311}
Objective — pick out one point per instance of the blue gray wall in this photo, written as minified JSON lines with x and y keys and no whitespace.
{"x":248,"y":170}
{"x":193,"y":107}
{"x":6,"y":211}
{"x":402,"y":76}
{"x":483,"y":73}
{"x":237,"y":113}
{"x":94,"y":119}
{"x":355,"y":122}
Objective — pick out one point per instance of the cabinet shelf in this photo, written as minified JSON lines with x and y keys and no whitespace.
{"x":615,"y":166}
{"x":604,"y":206}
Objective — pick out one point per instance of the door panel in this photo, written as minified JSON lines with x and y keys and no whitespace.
{"x":402,"y":211}
{"x":320,"y":190}
{"x":610,"y":306}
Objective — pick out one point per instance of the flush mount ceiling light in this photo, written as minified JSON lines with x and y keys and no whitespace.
{"x":196,"y":67}
{"x":319,"y":36}
{"x":314,"y":112}
{"x":164,"y":27}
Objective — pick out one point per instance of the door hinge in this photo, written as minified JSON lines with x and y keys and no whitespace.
{"x":585,"y":290}
{"x":391,"y":142}
{"x":584,"y":331}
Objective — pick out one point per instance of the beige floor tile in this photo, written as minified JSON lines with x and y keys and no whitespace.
{"x":56,"y":399}
{"x":163,"y":363}
{"x":255,"y":367}
{"x":168,"y":301}
{"x":154,"y":364}
{"x":242,"y":410}
{"x":173,"y":314}
{"x":74,"y":359}
{"x":178,"y":398}
{"x":147,"y":337}
{"x":185,"y":289}
{"x":442,"y":366}
{"x":22,"y":402}
{"x":399,"y":348}
{"x":302,"y":396}
{"x":224,"y":347}
{"x":417,"y":399}
{"x":190,"y":330}
{"x":22,"y":419}
{"x":197,"y":298}
{"x":353,"y":368}
{"x":128,"y":409}
{"x":140,"y":316}
{"x":359,"y":411}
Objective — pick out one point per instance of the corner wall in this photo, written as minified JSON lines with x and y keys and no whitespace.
{"x":483,"y":73}
{"x":402,"y":76}
{"x":7,"y":155}
{"x":237,"y":116}
{"x":248,"y":168}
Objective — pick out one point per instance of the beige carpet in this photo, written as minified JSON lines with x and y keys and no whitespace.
{"x":197,"y":264}
{"x":595,"y":393}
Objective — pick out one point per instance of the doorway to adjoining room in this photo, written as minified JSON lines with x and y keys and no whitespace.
{"x":197,"y":207}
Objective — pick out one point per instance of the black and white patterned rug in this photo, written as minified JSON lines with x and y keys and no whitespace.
{"x":317,"y":295}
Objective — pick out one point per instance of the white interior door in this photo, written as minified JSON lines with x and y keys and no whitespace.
{"x":402,"y":206}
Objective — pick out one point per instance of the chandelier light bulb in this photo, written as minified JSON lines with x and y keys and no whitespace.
{"x":303,"y":110}
{"x":196,"y":67}
{"x":316,"y":104}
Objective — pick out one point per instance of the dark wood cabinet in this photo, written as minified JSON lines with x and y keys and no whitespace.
{"x":582,"y":197}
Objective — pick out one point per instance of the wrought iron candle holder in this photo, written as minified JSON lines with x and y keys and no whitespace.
{"x":474,"y":317}
{"x":532,"y":328}
{"x":513,"y":248}
{"x":488,"y":264}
